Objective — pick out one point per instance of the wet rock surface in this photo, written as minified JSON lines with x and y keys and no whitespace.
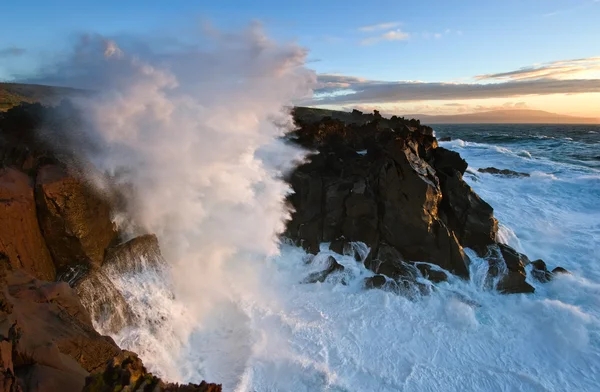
{"x":502,"y":172}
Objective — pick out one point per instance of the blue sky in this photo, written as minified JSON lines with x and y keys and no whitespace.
{"x":381,"y":40}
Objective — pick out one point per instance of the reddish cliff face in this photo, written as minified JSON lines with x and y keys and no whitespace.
{"x":55,"y":235}
{"x":75,"y":220}
{"x":20,"y":237}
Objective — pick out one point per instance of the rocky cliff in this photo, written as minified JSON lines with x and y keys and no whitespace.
{"x":387,"y":183}
{"x":57,"y":244}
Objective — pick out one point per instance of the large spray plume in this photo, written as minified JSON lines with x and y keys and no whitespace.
{"x":190,"y":127}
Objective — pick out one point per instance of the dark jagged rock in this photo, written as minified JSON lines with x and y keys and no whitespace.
{"x":514,"y":279}
{"x":387,"y":183}
{"x":445,"y":139}
{"x":126,"y":372}
{"x":375,"y":282}
{"x":502,"y":172}
{"x":540,"y":271}
{"x":320,"y":276}
{"x":447,"y":161}
{"x":469,"y":216}
{"x":20,"y":236}
{"x":433,"y":275}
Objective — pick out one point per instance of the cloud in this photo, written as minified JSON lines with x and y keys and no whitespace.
{"x":380,"y":26}
{"x":392,"y":35}
{"x":554,"y":70}
{"x":12,"y":51}
{"x":350,"y":90}
{"x":557,"y":77}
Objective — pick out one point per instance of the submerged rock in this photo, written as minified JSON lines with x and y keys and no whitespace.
{"x":502,"y":172}
{"x":560,"y":270}
{"x":375,"y":282}
{"x":320,"y":276}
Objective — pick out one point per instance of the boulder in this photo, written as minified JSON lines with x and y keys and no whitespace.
{"x":513,"y":281}
{"x":75,"y":220}
{"x":20,"y":237}
{"x":445,"y":139}
{"x":436,"y":276}
{"x":126,"y":372}
{"x":104,"y":302}
{"x":502,"y":172}
{"x":560,"y":270}
{"x":375,"y":282}
{"x":136,"y":255}
{"x":540,"y":271}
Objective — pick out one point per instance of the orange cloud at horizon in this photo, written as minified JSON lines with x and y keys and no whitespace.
{"x":579,"y":105}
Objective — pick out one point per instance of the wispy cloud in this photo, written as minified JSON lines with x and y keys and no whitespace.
{"x":12,"y":51}
{"x":372,"y":91}
{"x":392,"y":35}
{"x":379,"y":27}
{"x":563,"y":69}
{"x":558,"y":77}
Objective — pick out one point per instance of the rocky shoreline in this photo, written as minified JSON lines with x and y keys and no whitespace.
{"x":371,"y":182}
{"x":57,"y":242}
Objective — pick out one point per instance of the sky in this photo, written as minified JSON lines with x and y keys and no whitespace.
{"x":429,"y":56}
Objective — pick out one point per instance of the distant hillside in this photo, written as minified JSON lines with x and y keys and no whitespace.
{"x":12,"y":94}
{"x":510,"y":116}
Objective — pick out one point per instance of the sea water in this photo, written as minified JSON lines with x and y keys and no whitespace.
{"x":276,"y":333}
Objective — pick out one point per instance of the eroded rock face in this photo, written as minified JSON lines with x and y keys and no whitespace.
{"x":20,"y":237}
{"x":126,"y":372}
{"x":135,"y":255}
{"x":75,"y":221}
{"x":389,"y":195}
{"x":104,"y":302}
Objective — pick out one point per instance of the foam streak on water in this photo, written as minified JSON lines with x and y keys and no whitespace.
{"x":278,"y":334}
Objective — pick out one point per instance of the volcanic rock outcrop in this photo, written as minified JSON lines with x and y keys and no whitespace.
{"x":387,"y":183}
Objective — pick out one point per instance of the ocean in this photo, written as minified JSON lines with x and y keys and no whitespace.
{"x":274,"y":333}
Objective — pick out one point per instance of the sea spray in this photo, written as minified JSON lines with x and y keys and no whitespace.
{"x":189,"y":134}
